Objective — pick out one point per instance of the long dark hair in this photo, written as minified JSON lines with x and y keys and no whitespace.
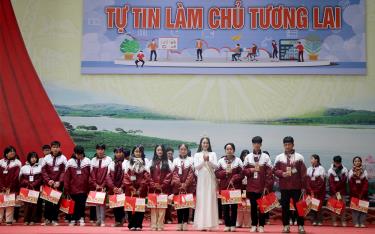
{"x":78,"y":149}
{"x":30,"y":155}
{"x":200,"y":144}
{"x":317,"y":158}
{"x":9,"y":149}
{"x":243,"y":154}
{"x":164,"y":159}
{"x":142,"y":149}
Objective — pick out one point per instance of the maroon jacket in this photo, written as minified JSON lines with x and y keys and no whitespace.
{"x":162,"y":177}
{"x":358,"y":185}
{"x":31,"y":176}
{"x":116,"y":174}
{"x":9,"y":175}
{"x":136,"y":180}
{"x":53,"y":168}
{"x":183,"y":173}
{"x":77,"y":176}
{"x":337,"y":183}
{"x":263,"y":179}
{"x":316,"y":182}
{"x":297,"y":180}
{"x":99,"y":171}
{"x":235,"y":177}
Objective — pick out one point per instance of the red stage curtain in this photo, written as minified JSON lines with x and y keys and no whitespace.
{"x":27,"y":117}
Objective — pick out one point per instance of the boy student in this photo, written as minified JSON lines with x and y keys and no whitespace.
{"x":291,"y":171}
{"x":53,"y":169}
{"x":258,"y":169}
{"x":99,"y":170}
{"x":76,"y":183}
{"x":337,"y":179}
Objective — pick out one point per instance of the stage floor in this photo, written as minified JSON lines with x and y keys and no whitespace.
{"x":170,"y":228}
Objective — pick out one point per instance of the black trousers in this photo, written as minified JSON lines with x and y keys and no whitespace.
{"x":220,"y":208}
{"x":137,"y":61}
{"x":92,"y":213}
{"x":153,"y":52}
{"x":51,"y":211}
{"x":230,"y":215}
{"x":39,"y":211}
{"x":275,"y":53}
{"x":183,"y":215}
{"x":79,"y":206}
{"x":285,"y":200}
{"x":300,"y":57}
{"x":119,"y":214}
{"x":257,"y":218}
{"x":136,"y":219}
{"x":30,"y":211}
{"x":199,"y":54}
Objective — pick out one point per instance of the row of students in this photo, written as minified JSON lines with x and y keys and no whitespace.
{"x":139,"y":176}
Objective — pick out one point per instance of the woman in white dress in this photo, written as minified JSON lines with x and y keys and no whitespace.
{"x":206,"y":211}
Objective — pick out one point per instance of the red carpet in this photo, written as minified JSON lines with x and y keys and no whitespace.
{"x":170,"y":228}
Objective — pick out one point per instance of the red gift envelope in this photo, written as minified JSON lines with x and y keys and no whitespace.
{"x":67,"y":206}
{"x":359,"y":205}
{"x":50,"y":194}
{"x":28,"y":195}
{"x":117,"y":200}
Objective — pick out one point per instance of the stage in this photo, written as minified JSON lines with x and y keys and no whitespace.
{"x":171,"y":228}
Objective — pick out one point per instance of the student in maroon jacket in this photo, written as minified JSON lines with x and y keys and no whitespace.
{"x":31,"y":178}
{"x":10,"y":168}
{"x":99,"y":170}
{"x":76,"y":183}
{"x":316,"y":187}
{"x":258,"y":169}
{"x":229,"y":172}
{"x":115,"y":179}
{"x":53,"y":170}
{"x":291,"y":171}
{"x":358,"y":185}
{"x":337,"y":179}
{"x":160,"y":174}
{"x":183,"y":180}
{"x":136,"y":182}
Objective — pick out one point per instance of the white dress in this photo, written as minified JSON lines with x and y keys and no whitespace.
{"x":206,"y":211}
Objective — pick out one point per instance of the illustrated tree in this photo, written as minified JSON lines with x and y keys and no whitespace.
{"x":129,"y":47}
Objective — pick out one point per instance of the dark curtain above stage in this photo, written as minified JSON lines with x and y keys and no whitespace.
{"x":27,"y":117}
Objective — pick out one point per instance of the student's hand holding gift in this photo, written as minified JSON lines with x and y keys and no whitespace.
{"x":51,"y":182}
{"x":56,"y":184}
{"x":285,"y":174}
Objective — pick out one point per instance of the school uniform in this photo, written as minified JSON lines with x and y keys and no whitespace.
{"x":316,"y":184}
{"x":290,"y":186}
{"x":337,"y":180}
{"x":76,"y":185}
{"x":31,"y":178}
{"x":228,"y":180}
{"x":9,"y":182}
{"x":183,"y":173}
{"x":98,"y":175}
{"x":163,"y":178}
{"x":257,"y":182}
{"x":115,"y":179}
{"x":53,"y":168}
{"x":358,"y":186}
{"x":136,"y":178}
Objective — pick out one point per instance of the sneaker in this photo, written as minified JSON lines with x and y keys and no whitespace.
{"x":220,"y":221}
{"x":55,"y":223}
{"x":9,"y":223}
{"x":227,"y":229}
{"x":343,"y":224}
{"x":233,"y":229}
{"x":260,"y":229}
{"x":253,"y":229}
{"x":31,"y":223}
{"x":81,"y":222}
{"x":97,"y":223}
{"x":356,"y":225}
{"x":320,"y":224}
{"x":46,"y":223}
{"x":184,"y":227}
{"x":191,"y":222}
{"x":179,"y":227}
{"x":169,"y":221}
{"x":132,"y":229}
{"x":362,"y":226}
{"x":102,"y":224}
{"x":138,"y":229}
{"x":286,"y":229}
{"x":154,"y":229}
{"x":334,"y":224}
{"x":291,"y":222}
{"x":72,"y":223}
{"x":301,"y":230}
{"x":26,"y":223}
